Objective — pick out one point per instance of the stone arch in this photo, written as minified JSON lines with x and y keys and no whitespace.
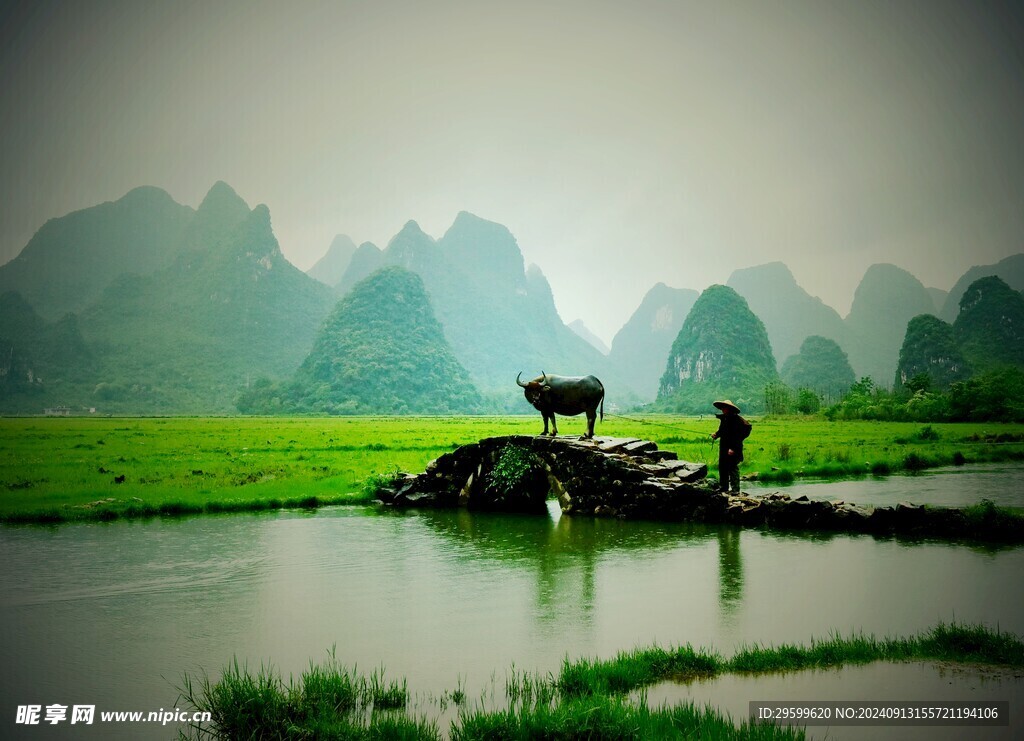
{"x":625,"y":477}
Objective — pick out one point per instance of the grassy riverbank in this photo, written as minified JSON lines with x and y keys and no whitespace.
{"x":586,"y":699}
{"x":55,"y":470}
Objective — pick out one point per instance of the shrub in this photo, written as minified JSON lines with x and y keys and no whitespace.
{"x":881,"y":469}
{"x":514,"y":466}
{"x":377,"y":481}
{"x":914,"y":462}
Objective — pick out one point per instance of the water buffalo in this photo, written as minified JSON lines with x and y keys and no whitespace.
{"x":566,"y":395}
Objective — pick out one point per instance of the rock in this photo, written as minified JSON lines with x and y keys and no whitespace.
{"x":691,"y":472}
{"x":640,"y":447}
{"x":910,"y":516}
{"x":801,"y":513}
{"x":662,"y":455}
{"x":752,"y":514}
{"x":615,"y":443}
{"x":882,"y":519}
{"x":682,"y":471}
{"x":852,"y":518}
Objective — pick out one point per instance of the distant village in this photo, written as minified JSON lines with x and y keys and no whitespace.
{"x":66,"y":411}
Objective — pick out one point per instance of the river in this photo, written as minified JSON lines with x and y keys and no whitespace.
{"x":1001,"y":483}
{"x":113,"y":614}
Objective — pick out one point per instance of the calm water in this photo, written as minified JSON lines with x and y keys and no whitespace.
{"x":114,"y":614}
{"x":1002,"y":483}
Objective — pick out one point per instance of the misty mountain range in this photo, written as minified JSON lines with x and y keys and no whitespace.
{"x":146,"y":306}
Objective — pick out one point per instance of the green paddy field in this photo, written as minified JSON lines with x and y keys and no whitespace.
{"x":59,"y":469}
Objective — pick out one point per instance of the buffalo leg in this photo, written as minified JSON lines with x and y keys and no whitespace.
{"x":591,"y":419}
{"x":554,"y":426}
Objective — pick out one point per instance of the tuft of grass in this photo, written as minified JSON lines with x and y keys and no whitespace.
{"x":837,"y":455}
{"x":915,"y":462}
{"x":987,"y":517}
{"x":953,"y":642}
{"x":632,"y":669}
{"x":971,"y":643}
{"x":328,"y":689}
{"x":387,"y":695}
{"x":833,"y":652}
{"x":379,"y":480}
{"x":529,"y":689}
{"x":601,"y":717}
{"x":242,"y":704}
{"x":782,"y":476}
{"x":393,"y":728}
{"x":327,"y":701}
{"x":456,"y":696}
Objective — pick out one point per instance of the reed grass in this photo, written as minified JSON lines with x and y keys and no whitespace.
{"x":629,"y":671}
{"x":632,"y":669}
{"x":327,"y":701}
{"x":587,"y":699}
{"x":603,"y":717}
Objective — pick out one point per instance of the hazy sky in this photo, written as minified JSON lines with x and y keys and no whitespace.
{"x":623,"y":143}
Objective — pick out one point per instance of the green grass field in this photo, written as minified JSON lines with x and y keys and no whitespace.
{"x":104,"y":468}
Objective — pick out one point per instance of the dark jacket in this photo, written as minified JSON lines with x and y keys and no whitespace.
{"x":732,"y":431}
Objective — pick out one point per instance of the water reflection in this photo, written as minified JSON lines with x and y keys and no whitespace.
{"x":563,"y":555}
{"x":730,"y":572}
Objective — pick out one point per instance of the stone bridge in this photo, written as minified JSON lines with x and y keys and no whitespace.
{"x":614,"y":477}
{"x":631,"y":478}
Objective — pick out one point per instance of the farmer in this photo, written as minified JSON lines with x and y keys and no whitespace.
{"x":732,"y":431}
